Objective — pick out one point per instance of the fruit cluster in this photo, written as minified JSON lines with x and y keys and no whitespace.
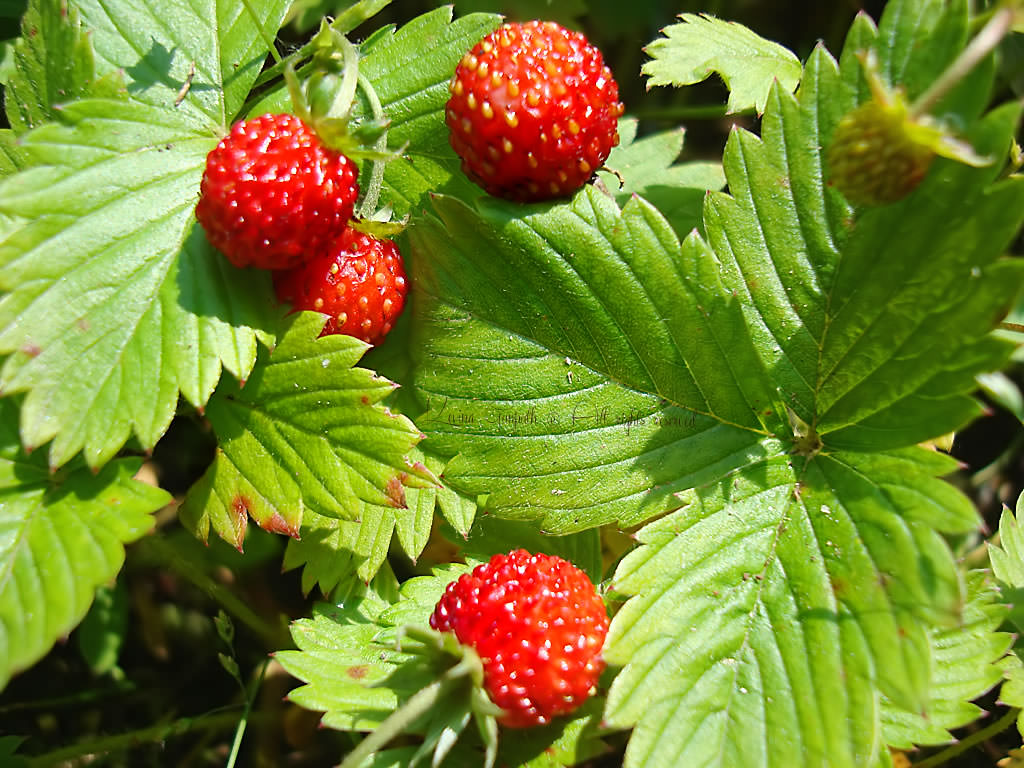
{"x":274,"y":197}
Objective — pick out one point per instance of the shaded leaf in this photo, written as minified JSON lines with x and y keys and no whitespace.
{"x":61,"y":537}
{"x":648,"y":167}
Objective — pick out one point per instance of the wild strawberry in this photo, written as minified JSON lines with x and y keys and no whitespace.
{"x":874,"y":157}
{"x":359,"y":281}
{"x":538,"y":626}
{"x":882,"y":150}
{"x":533,"y":111}
{"x":273,"y":193}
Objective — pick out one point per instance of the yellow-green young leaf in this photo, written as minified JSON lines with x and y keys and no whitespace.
{"x":701,"y":45}
{"x":306,"y":431}
{"x":61,"y":536}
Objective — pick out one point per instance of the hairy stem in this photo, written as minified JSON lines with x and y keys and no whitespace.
{"x":980,"y":46}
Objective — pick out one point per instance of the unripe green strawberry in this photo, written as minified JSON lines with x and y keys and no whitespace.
{"x":533,"y":111}
{"x":538,"y":626}
{"x":877,"y":155}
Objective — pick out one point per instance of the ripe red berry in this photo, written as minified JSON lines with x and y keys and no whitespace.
{"x":533,"y":111}
{"x":359,"y":281}
{"x":537,"y":624}
{"x":273,"y":193}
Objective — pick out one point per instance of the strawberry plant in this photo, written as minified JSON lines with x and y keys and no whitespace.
{"x":710,"y":389}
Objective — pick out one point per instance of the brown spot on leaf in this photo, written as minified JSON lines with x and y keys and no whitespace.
{"x":83,"y":324}
{"x":396,"y":491}
{"x":365,"y":399}
{"x":357,"y":672}
{"x":277,"y":524}
{"x":30,"y":349}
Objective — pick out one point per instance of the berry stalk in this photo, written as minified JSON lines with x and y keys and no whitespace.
{"x":980,"y":46}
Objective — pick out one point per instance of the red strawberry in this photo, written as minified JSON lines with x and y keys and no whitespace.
{"x":273,"y":193}
{"x":360,"y":283}
{"x":533,"y":111}
{"x":537,"y":624}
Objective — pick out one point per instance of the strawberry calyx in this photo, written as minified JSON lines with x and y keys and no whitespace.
{"x":326,"y":98}
{"x":443,"y":708}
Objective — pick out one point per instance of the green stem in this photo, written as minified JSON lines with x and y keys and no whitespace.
{"x":371,"y":195}
{"x":980,"y":46}
{"x":974,"y":739}
{"x":124,"y":741}
{"x":268,"y":41}
{"x":119,"y":688}
{"x":164,"y":554}
{"x":343,"y":99}
{"x":397,"y":722}
{"x":250,"y":696}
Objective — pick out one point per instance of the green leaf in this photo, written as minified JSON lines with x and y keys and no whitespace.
{"x":158,"y":44}
{"x":106,"y":226}
{"x":1007,"y":556}
{"x":54,"y":64}
{"x":352,"y":672}
{"x":8,"y":752}
{"x":965,"y":667}
{"x":773,"y":606}
{"x":306,"y":431}
{"x":589,"y":328}
{"x":117,"y":302}
{"x":61,"y":536}
{"x":491,"y":536}
{"x":332,"y":551}
{"x":102,"y":632}
{"x":648,"y":168}
{"x":690,"y":52}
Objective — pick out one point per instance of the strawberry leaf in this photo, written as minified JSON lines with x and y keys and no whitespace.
{"x":61,"y":536}
{"x":648,"y":168}
{"x":965,"y":660}
{"x":735,"y":589}
{"x":748,"y":64}
{"x":212,"y":46}
{"x":346,"y":654}
{"x":591,"y":355}
{"x":306,"y":431}
{"x":54,"y":64}
{"x":330,"y":550}
{"x":105,"y":225}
